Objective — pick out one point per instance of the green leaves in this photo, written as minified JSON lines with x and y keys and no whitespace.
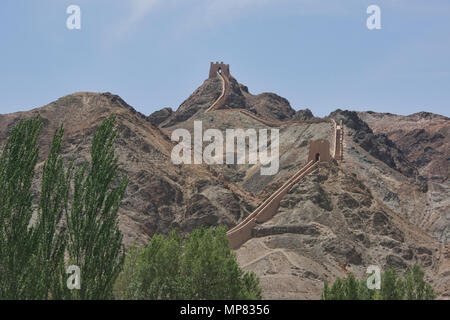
{"x":160,"y":278}
{"x":411,"y":287}
{"x":49,"y":232}
{"x":84,"y":232}
{"x":209,"y":266}
{"x":200,"y":267}
{"x":94,"y":236}
{"x":391,"y":286}
{"x":415,"y":286}
{"x":17,"y":243}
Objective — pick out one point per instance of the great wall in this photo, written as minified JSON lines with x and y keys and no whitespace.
{"x":319,"y":152}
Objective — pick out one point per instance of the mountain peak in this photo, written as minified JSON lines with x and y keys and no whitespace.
{"x":234,"y":95}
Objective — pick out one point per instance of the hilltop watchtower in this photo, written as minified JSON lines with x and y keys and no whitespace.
{"x":222,"y":68}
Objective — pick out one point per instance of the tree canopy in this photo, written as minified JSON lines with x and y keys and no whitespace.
{"x":74,"y":221}
{"x":393,"y":287}
{"x":201,"y":266}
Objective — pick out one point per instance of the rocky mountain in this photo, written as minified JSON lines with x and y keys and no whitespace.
{"x":386,"y":204}
{"x":266,"y":105}
{"x":422,"y":137}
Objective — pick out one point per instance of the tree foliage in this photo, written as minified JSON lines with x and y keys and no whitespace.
{"x":200,"y":267}
{"x":393,"y":287}
{"x":49,"y":231}
{"x":94,"y":237}
{"x":37,"y":240}
{"x":416,"y":288}
{"x":17,"y":241}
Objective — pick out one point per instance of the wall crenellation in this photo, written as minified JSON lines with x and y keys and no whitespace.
{"x":224,"y":69}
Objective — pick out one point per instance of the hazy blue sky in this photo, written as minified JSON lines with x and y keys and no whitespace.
{"x":154,"y":53}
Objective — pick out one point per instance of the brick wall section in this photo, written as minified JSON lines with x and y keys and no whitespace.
{"x":243,"y":231}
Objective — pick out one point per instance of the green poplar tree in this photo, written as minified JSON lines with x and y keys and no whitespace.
{"x":325,"y":292}
{"x":391,"y":286}
{"x":415,"y":286}
{"x":17,"y":242}
{"x":337,"y":290}
{"x":49,"y":231}
{"x":351,"y":288}
{"x":95,"y":240}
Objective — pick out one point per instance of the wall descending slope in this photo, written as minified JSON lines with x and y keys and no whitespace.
{"x":319,"y":151}
{"x":243,"y":231}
